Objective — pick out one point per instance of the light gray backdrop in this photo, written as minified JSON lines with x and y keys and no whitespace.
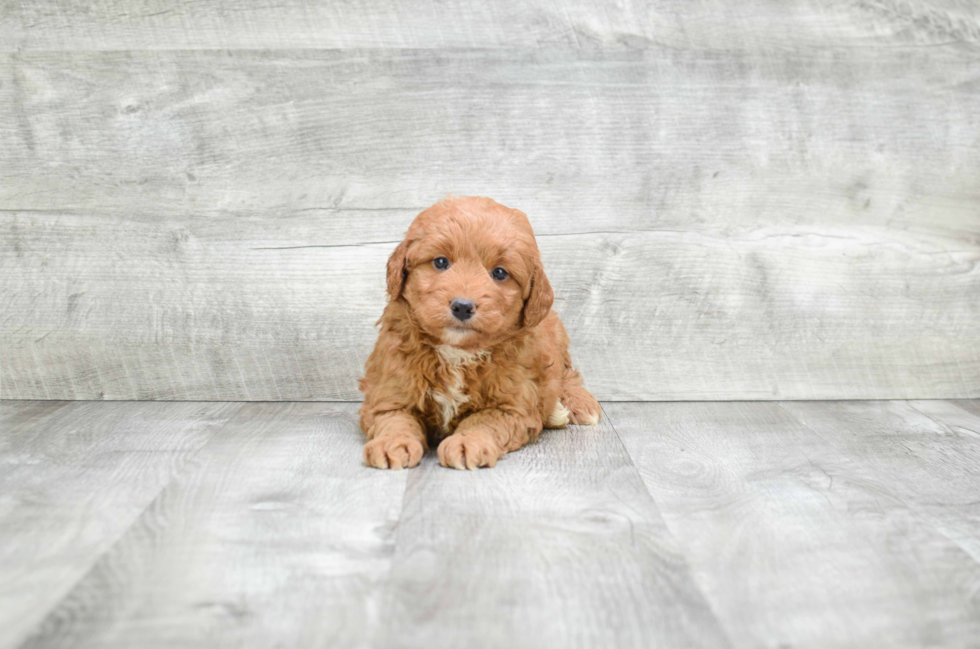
{"x":734,"y":200}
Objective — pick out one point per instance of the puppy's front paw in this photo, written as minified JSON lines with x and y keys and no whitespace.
{"x":395,"y":451}
{"x":469,"y":451}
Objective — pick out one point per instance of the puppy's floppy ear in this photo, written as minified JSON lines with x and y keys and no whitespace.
{"x":538,"y":297}
{"x":397,"y":272}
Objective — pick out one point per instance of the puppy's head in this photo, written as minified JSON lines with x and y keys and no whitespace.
{"x":470,"y":271}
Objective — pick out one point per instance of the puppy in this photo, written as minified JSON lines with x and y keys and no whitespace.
{"x":470,"y":355}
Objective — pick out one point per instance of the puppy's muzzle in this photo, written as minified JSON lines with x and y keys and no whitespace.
{"x":462,"y":309}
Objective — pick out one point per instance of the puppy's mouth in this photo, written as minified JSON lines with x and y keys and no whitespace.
{"x":457,"y":335}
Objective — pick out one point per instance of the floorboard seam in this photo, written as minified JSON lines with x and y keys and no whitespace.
{"x":378,"y":629}
{"x":915,"y":510}
{"x":943,"y":424}
{"x":680,"y":550}
{"x":47,"y":415}
{"x":26,"y":641}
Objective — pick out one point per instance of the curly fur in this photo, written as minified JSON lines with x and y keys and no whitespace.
{"x":479,"y":388}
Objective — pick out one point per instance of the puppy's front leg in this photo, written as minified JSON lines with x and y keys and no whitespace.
{"x":396,"y":441}
{"x":482,"y":438}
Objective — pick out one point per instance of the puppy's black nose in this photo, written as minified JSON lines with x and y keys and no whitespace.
{"x":462,"y":309}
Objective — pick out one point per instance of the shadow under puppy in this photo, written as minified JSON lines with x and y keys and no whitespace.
{"x":470,"y":354}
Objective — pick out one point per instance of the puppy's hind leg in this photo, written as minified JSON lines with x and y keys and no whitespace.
{"x":582,"y":406}
{"x":559,"y":417}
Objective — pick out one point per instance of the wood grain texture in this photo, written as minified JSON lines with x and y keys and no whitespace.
{"x":714,"y":24}
{"x":214,"y":225}
{"x":970,"y":405}
{"x":73,"y":477}
{"x":941,"y":483}
{"x":276,"y":535}
{"x":24,"y":414}
{"x":796,"y":542}
{"x":560,"y":545}
{"x":835,"y":524}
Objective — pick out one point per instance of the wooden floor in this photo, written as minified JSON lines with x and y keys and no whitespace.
{"x":721,"y":524}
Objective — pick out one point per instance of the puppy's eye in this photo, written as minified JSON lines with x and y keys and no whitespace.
{"x":440,"y":263}
{"x":499,"y":274}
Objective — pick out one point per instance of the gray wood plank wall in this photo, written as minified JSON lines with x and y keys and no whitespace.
{"x":735,"y":200}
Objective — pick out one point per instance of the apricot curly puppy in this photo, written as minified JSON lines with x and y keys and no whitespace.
{"x":470,"y":354}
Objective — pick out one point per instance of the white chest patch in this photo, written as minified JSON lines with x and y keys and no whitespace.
{"x":453,"y":394}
